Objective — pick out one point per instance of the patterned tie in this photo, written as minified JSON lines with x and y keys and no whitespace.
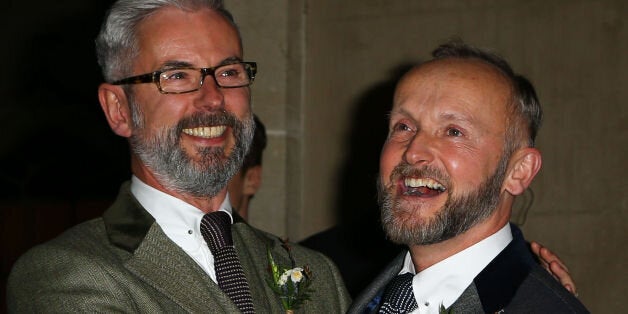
{"x":216,"y":229}
{"x":398,"y":296}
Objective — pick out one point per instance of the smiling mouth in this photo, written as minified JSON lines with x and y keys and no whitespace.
{"x":422,"y":187}
{"x":207,"y":131}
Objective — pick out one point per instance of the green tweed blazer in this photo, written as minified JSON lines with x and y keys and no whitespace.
{"x":123,"y":262}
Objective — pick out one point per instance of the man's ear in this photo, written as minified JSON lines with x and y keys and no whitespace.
{"x":114,"y":104}
{"x":524,"y":164}
{"x":252,"y":180}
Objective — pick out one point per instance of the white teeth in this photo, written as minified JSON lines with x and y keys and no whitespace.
{"x":206,"y":132}
{"x":429,"y":183}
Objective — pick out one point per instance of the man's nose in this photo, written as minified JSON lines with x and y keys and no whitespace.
{"x":419,"y":150}
{"x":211,"y":95}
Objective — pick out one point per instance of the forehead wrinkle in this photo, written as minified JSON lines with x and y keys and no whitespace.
{"x":462,"y":116}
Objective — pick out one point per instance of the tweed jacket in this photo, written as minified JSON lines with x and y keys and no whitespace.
{"x":513,"y":282}
{"x":123,"y":262}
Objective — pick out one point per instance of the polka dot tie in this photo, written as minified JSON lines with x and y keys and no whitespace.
{"x":398,"y":296}
{"x":216,"y":229}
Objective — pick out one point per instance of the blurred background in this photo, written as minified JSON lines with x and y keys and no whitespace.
{"x":327,"y":70}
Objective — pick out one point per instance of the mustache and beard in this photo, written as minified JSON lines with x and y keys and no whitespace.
{"x":400,"y":219}
{"x":162,"y":152}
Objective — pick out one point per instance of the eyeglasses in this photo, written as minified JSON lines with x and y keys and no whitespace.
{"x":185,"y":80}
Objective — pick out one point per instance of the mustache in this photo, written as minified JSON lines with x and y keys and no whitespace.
{"x":404,"y":169}
{"x":207,"y":119}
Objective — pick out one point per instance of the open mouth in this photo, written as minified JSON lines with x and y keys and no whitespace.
{"x":206,"y":131}
{"x":422,"y":187}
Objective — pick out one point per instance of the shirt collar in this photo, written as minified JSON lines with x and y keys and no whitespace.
{"x":177,"y":218}
{"x":443,"y":282}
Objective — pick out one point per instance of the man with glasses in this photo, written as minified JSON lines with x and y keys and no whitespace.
{"x":178,"y":90}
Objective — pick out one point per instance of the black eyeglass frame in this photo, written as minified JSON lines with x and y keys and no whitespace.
{"x":153,"y":77}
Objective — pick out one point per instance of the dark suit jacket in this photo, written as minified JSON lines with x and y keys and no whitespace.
{"x":513,"y":282}
{"x":123,"y":262}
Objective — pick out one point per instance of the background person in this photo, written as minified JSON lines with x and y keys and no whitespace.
{"x":247,"y":181}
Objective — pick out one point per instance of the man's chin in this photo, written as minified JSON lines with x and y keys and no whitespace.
{"x":412,"y":225}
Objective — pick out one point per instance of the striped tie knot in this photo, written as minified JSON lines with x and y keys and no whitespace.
{"x":216,"y":229}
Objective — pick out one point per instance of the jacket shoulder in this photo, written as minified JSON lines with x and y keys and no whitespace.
{"x":48,"y":276}
{"x":541,"y":293}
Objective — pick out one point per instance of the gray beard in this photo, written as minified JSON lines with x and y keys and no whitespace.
{"x":457,"y":216}
{"x":162,"y":153}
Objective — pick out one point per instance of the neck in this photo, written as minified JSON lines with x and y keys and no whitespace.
{"x":424,"y":256}
{"x":205,"y":204}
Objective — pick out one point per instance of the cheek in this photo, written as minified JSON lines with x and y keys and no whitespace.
{"x":161,"y":111}
{"x":389,"y":159}
{"x":460,"y":171}
{"x":470,"y":169}
{"x":238,"y":101}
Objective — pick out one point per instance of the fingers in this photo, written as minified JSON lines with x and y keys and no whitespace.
{"x":549,"y":257}
{"x":536,"y":249}
{"x":562,"y":275}
{"x":552,"y":264}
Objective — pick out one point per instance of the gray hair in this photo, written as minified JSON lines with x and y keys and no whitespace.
{"x":116,"y":44}
{"x":525,"y":107}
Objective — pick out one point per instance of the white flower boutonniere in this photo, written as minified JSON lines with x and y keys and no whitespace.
{"x":292,"y":285}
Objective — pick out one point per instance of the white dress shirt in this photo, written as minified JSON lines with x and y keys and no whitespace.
{"x":444,"y":282}
{"x":180,"y":221}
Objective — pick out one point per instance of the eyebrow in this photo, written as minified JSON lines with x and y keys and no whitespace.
{"x":398,"y":111}
{"x":174,"y":64}
{"x":446,"y":116}
{"x":454,"y":117}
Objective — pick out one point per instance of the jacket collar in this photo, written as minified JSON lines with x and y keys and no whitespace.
{"x":126,"y":221}
{"x":498,"y":282}
{"x":495,"y":285}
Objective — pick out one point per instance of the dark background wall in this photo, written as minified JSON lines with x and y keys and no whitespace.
{"x":59,"y":163}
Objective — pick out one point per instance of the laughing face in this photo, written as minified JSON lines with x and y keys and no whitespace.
{"x":442,"y":166}
{"x":190,"y":143}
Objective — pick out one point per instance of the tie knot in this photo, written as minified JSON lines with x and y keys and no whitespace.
{"x":398,"y":296}
{"x":216,"y":229}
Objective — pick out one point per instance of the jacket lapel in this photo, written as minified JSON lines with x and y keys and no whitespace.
{"x":158,"y":261}
{"x":468,"y":302}
{"x":188,"y":286}
{"x":498,"y":282}
{"x":251,"y":247}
